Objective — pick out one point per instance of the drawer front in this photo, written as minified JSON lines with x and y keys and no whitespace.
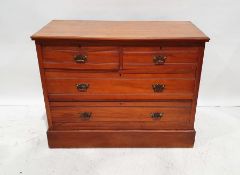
{"x":121,"y":116}
{"x":160,"y":59}
{"x":81,"y":57}
{"x":66,"y":89}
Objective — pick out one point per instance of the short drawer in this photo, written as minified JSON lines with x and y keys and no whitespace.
{"x":122,"y":115}
{"x":110,"y":87}
{"x":74,"y":57}
{"x":160,"y":59}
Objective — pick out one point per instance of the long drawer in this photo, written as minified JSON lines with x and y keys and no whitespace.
{"x":112,"y":87}
{"x":122,"y":115}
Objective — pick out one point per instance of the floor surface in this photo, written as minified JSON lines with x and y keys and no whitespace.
{"x":24,"y":150}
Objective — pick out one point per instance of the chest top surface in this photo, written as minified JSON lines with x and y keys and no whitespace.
{"x":120,"y":30}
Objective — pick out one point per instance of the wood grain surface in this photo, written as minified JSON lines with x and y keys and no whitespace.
{"x":121,"y":138}
{"x":120,"y":30}
{"x":120,"y":71}
{"x":119,"y":88}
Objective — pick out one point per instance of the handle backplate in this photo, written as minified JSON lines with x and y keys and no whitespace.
{"x":159,"y":59}
{"x":80,"y":59}
{"x":85,"y":115}
{"x":157,"y":115}
{"x":82,"y":87}
{"x":158,"y":87}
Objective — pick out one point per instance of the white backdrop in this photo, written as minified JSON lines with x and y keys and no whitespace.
{"x":219,"y":19}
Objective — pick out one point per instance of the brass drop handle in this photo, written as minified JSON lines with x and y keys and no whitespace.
{"x":159,"y":59}
{"x":80,"y":59}
{"x":158,"y":87}
{"x":82,"y":87}
{"x":85,"y":115}
{"x":157,"y":115}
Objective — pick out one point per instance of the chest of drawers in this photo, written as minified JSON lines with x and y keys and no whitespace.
{"x":120,"y":84}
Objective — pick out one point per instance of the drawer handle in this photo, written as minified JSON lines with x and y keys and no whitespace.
{"x":159,"y":59}
{"x":80,"y":59}
{"x":158,"y":87}
{"x":85,"y":115}
{"x":156,"y":115}
{"x":82,"y":87}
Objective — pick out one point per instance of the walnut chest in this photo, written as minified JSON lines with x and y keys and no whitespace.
{"x":120,"y":84}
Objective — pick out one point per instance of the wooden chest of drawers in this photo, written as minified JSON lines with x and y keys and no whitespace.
{"x":120,"y":84}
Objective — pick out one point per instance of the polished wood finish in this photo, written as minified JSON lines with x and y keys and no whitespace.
{"x":118,"y":88}
{"x":44,"y":87}
{"x":120,"y":30}
{"x":115,"y":114}
{"x":97,"y":58}
{"x":141,"y":59}
{"x":121,"y":138}
{"x":121,"y":115}
{"x":172,"y":103}
{"x":120,"y":84}
{"x":53,"y":73}
{"x":145,"y":55}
